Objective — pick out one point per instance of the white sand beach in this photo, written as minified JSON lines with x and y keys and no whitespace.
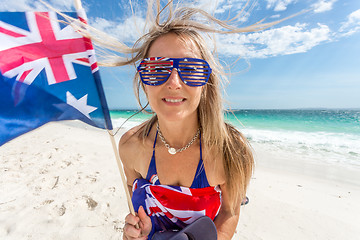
{"x":62,"y":182}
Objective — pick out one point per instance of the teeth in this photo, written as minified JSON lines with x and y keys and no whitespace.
{"x":173,"y":100}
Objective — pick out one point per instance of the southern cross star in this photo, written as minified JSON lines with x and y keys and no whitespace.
{"x":80,"y":104}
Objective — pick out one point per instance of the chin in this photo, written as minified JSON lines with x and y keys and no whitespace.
{"x":174,"y":116}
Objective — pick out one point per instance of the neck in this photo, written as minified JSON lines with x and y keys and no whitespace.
{"x":178,"y":133}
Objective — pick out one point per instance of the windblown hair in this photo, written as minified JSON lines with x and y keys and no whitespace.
{"x":226,"y":143}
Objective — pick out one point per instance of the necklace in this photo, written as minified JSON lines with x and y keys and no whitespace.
{"x":172,"y":150}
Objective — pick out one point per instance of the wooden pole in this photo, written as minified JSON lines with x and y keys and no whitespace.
{"x":78,"y":6}
{"x":121,"y":170}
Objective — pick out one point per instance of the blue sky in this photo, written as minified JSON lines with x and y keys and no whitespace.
{"x":309,"y":61}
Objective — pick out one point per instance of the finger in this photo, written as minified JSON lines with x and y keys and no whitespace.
{"x":144,"y":218}
{"x":142,"y":214}
{"x":131,"y":232}
{"x":145,"y":222}
{"x":131,"y":219}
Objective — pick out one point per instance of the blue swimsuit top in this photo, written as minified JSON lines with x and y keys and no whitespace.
{"x":200,"y":179}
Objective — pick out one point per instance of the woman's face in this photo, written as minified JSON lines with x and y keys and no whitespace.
{"x":174,"y":100}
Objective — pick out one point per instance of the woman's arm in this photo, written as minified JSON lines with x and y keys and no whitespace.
{"x":128,"y":156}
{"x":226,"y":221}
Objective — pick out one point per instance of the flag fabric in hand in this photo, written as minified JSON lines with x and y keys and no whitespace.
{"x":174,"y":207}
{"x":48,"y":72}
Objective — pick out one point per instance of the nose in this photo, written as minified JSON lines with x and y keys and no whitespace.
{"x":174,"y":80}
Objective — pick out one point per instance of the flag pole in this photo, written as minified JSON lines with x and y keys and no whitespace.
{"x":121,"y":170}
{"x":78,"y":7}
{"x":78,"y":4}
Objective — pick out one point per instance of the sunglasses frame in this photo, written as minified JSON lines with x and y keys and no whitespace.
{"x":164,"y":74}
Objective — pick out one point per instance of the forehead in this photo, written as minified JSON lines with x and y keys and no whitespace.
{"x":174,"y":46}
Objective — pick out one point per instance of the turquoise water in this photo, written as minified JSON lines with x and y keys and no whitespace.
{"x":331,"y":135}
{"x":335,"y":121}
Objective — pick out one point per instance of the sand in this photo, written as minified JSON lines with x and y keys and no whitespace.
{"x":62,"y":182}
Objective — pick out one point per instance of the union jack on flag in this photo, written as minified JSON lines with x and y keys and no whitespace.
{"x":174,"y":207}
{"x":48,"y":73}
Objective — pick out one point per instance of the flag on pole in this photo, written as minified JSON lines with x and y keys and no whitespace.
{"x":48,"y":72}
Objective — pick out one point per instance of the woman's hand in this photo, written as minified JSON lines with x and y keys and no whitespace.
{"x":144,"y":223}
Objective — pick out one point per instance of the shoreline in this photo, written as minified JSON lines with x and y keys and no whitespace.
{"x":295,"y":163}
{"x":61,"y":182}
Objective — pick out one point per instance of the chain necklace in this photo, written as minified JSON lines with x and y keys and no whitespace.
{"x":172,"y":150}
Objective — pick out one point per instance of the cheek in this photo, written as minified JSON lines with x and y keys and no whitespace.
{"x":151,"y":93}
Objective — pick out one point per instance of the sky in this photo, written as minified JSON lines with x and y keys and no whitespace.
{"x":308,"y":61}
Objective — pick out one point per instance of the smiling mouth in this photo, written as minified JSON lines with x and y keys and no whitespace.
{"x":174,"y":100}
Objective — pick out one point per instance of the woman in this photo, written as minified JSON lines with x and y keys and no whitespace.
{"x":186,"y":143}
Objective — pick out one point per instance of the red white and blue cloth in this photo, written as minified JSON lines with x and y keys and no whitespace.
{"x":174,"y":207}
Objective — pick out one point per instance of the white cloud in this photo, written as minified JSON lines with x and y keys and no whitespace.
{"x":274,"y":42}
{"x":18,"y":5}
{"x":275,"y":16}
{"x":222,"y":6}
{"x":352,"y":25}
{"x":63,"y":5}
{"x":127,"y":31}
{"x":279,"y":5}
{"x":323,"y":6}
{"x":30,"y":5}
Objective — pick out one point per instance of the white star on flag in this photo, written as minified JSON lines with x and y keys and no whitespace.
{"x":80,"y":104}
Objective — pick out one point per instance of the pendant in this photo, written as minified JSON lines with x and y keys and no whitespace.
{"x":172,"y":151}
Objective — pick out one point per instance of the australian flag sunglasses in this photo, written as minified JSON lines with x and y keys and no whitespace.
{"x":156,"y":70}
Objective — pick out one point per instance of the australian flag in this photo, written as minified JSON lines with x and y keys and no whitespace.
{"x":48,"y":72}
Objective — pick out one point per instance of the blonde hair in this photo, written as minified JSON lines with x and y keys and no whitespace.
{"x":229,"y":145}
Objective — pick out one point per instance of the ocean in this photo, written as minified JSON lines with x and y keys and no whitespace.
{"x":331,"y":136}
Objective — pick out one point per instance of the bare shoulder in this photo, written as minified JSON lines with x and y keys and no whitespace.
{"x":128,"y":142}
{"x":135,"y":153}
{"x":130,"y":135}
